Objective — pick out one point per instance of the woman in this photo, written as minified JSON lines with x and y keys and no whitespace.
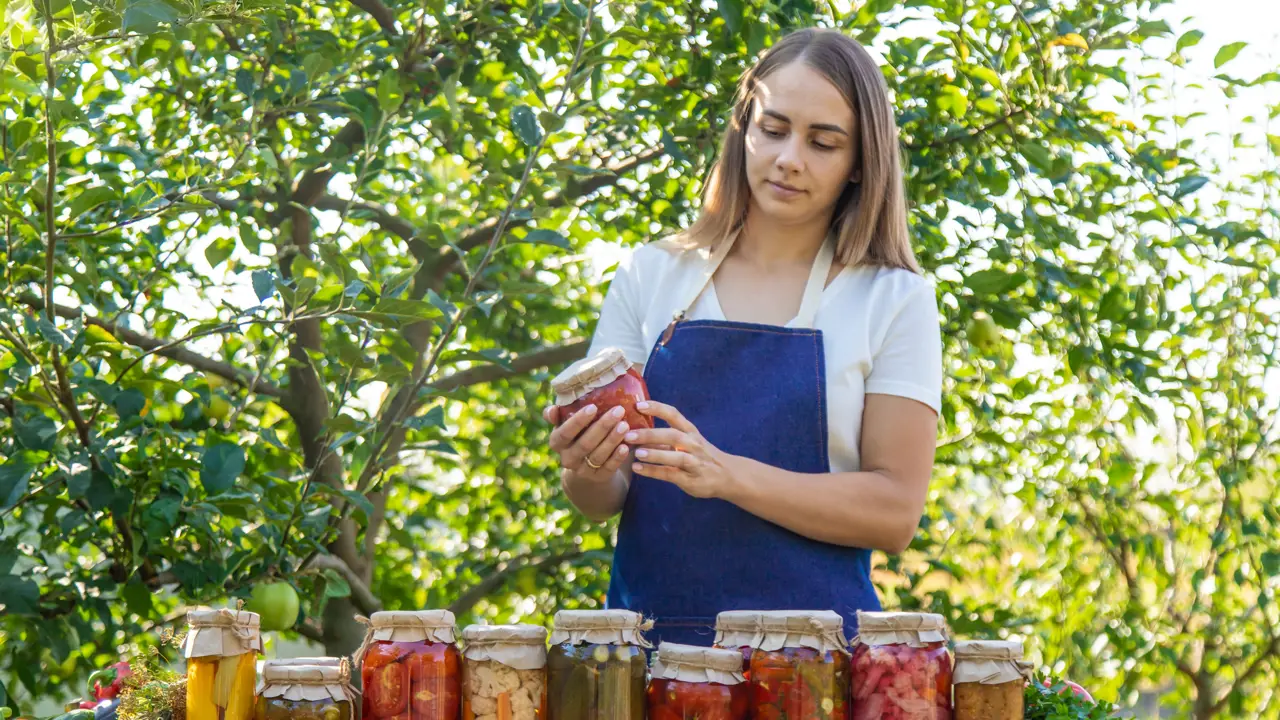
{"x":798,"y":387}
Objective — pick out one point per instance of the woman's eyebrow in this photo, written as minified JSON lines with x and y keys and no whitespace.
{"x":815,"y":126}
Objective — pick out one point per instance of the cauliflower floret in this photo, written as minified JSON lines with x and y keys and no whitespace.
{"x":483,"y":705}
{"x":506,"y":678}
{"x":485,"y":680}
{"x":521,"y":702}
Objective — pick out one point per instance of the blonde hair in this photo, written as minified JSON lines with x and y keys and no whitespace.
{"x":870,"y":219}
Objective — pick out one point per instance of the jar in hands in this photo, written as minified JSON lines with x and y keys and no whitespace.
{"x":800,"y":667}
{"x":222,"y":649}
{"x":901,"y":669}
{"x":410,"y":666}
{"x":989,"y":680}
{"x":306,"y":692}
{"x":739,"y":630}
{"x":596,"y":666}
{"x":697,"y":683}
{"x":605,"y":380}
{"x":504,"y":672}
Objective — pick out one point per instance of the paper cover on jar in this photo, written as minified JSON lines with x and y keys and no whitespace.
{"x":589,"y":374}
{"x":690,"y":663}
{"x":308,"y":682}
{"x":989,"y":662}
{"x":770,"y":630}
{"x":435,"y":626}
{"x":222,"y":633}
{"x":900,"y":628}
{"x":523,"y":647}
{"x":600,"y":627}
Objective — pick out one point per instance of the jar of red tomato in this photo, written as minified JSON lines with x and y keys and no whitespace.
{"x":739,"y":630}
{"x":410,"y":668}
{"x":697,"y":683}
{"x":605,"y":380}
{"x":800,"y":667}
{"x":901,"y":667}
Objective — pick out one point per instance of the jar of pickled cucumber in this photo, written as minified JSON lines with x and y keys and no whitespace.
{"x":989,"y":680}
{"x":222,"y":649}
{"x":596,"y":666}
{"x":504,"y":672}
{"x":410,"y":666}
{"x":306,"y":692}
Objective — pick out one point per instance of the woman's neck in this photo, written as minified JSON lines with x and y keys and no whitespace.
{"x":765,"y":241}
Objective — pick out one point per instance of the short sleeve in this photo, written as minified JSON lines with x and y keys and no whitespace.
{"x":909,"y":360}
{"x":621,"y":323}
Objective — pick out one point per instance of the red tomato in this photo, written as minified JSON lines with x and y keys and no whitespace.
{"x":381,"y":654}
{"x":385,"y":691}
{"x":433,"y":705}
{"x":433,"y":662}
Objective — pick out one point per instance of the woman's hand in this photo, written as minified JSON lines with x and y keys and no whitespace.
{"x":590,"y":447}
{"x":679,"y":454}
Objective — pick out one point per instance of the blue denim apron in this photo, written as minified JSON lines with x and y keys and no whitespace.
{"x":752,"y":390}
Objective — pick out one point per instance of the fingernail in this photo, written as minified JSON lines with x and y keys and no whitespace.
{"x":590,"y":409}
{"x":642,"y":453}
{"x":632,"y":437}
{"x":642,"y":405}
{"x":622,"y":449}
{"x":622,"y":427}
{"x":618,"y":411}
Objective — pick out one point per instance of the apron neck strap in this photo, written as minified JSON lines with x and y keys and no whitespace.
{"x":812,"y":290}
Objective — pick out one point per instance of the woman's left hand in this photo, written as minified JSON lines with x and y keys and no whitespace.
{"x":679,"y":454}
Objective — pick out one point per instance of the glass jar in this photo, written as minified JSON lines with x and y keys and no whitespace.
{"x":306,"y":692}
{"x":739,"y":630}
{"x":800,"y":667}
{"x":222,"y":649}
{"x":410,"y":667}
{"x":605,"y":380}
{"x":596,"y":666}
{"x":989,"y":680}
{"x":901,"y":668}
{"x":504,"y":672}
{"x":697,"y":683}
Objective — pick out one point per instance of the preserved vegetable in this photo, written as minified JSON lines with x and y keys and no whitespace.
{"x":799,"y":666}
{"x":306,"y":692}
{"x":901,"y":668}
{"x":990,"y":679}
{"x":596,"y":667}
{"x":697,"y":683}
{"x":222,"y":649}
{"x":410,"y":667}
{"x":504,"y":672}
{"x":605,"y":380}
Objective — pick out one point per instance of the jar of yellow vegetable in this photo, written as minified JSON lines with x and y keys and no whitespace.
{"x":222,"y":649}
{"x":306,"y":692}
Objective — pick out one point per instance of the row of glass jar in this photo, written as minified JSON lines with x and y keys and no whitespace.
{"x":766,"y":666}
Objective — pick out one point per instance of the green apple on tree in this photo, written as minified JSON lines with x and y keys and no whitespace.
{"x":277,"y":603}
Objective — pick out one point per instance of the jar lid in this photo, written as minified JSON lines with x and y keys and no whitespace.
{"x":523,"y":647}
{"x":901,"y":628}
{"x":334,"y":661}
{"x":308,"y":682}
{"x":690,"y":663}
{"x":600,"y":627}
{"x":990,"y":662}
{"x":222,"y":633}
{"x":589,"y":373}
{"x":821,"y":630}
{"x":407,"y":626}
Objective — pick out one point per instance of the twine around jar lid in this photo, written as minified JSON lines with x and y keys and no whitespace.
{"x":990,"y":662}
{"x":308,"y":682}
{"x":690,"y":663}
{"x":600,"y":627}
{"x":588,"y":374}
{"x":523,"y":647}
{"x":222,"y":633}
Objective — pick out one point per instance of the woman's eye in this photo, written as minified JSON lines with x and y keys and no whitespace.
{"x":770,"y":133}
{"x":820,"y":146}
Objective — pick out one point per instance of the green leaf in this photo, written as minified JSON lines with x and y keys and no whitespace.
{"x":19,"y":596}
{"x":672,"y":148}
{"x":15,"y":474}
{"x":1228,"y":53}
{"x":1188,"y":185}
{"x":264,"y":284}
{"x":37,"y":432}
{"x":952,"y":99}
{"x":335,"y":586}
{"x":389,"y":95}
{"x":129,"y":403}
{"x":406,"y":309}
{"x":359,"y":500}
{"x":220,"y":467}
{"x":218,"y":251}
{"x":92,"y":198}
{"x":444,"y":306}
{"x":994,"y":282}
{"x":1271,"y":563}
{"x":546,"y":237}
{"x":731,"y":11}
{"x":1191,"y":38}
{"x":145,"y":16}
{"x":525,"y":125}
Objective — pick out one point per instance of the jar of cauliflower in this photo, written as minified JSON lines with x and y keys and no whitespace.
{"x":504,"y":672}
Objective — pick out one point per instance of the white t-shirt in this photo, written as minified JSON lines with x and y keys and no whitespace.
{"x":879,"y":326}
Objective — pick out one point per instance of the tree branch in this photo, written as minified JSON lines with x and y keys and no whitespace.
{"x":363,"y":597}
{"x":966,"y":135}
{"x":381,"y":13}
{"x":223,"y":370}
{"x":496,"y":579}
{"x":525,"y":363}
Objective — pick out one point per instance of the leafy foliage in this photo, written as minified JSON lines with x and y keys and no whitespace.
{"x":284,"y":283}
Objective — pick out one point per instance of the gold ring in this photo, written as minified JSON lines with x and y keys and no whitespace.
{"x":593,"y":465}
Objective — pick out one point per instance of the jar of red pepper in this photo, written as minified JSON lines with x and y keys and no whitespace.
{"x":697,"y":683}
{"x":410,"y":667}
{"x":799,"y":668}
{"x":605,"y":380}
{"x":901,"y":667}
{"x":739,"y":630}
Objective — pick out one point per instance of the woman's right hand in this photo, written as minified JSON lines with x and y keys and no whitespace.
{"x":590,"y":447}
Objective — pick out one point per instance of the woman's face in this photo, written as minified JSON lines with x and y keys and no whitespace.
{"x":801,"y":145}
